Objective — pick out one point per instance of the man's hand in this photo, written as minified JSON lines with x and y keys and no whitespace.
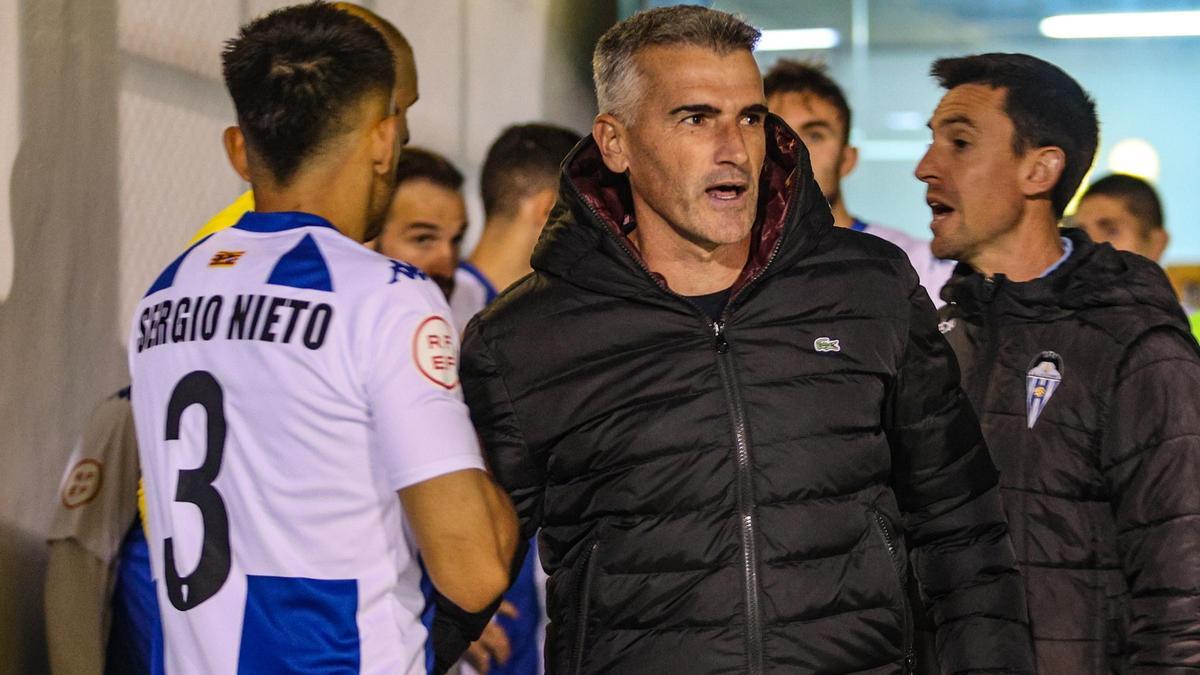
{"x":493,"y":644}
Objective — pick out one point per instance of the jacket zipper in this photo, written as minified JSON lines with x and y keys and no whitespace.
{"x":744,"y":483}
{"x":745,"y":479}
{"x":581,"y":616}
{"x":894,"y":553}
{"x":745,"y":504}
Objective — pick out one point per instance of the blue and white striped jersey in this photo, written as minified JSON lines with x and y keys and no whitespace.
{"x":287,"y":381}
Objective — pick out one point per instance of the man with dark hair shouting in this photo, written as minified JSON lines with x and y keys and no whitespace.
{"x":289,"y":382}
{"x":732,"y":421}
{"x":1079,"y":361}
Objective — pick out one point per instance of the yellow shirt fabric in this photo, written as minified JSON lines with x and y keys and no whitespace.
{"x":228,"y":216}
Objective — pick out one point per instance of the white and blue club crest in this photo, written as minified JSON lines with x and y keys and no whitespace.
{"x":1042,"y":380}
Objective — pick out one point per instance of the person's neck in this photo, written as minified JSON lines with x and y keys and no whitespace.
{"x":502,"y":254}
{"x":841,"y":216}
{"x":341,"y":199}
{"x":690,"y":268}
{"x":1025,"y":252}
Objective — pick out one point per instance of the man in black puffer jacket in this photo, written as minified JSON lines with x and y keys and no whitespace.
{"x":727,"y":416}
{"x":1081,"y":365}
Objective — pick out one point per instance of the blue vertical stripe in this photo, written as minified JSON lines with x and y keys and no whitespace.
{"x":302,"y":267}
{"x":427,"y":616}
{"x":298,"y":625}
{"x":167,"y":276}
{"x":135,"y":635}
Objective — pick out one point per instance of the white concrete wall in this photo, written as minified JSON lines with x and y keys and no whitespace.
{"x":10,"y":132}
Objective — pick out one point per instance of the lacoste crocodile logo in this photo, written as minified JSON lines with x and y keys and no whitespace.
{"x":825,"y":344}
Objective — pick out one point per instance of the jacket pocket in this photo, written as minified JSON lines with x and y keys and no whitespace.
{"x":582,"y":592}
{"x":887,"y":534}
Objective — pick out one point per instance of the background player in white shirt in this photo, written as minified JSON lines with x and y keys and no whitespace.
{"x":519,"y":185}
{"x":425,"y":225}
{"x":288,"y":381}
{"x":815,"y":107}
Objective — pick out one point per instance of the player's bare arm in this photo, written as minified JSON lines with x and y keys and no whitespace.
{"x":466,"y":530}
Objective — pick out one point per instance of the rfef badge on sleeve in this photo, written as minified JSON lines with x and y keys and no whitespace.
{"x":1043,"y":378}
{"x":435,"y":352}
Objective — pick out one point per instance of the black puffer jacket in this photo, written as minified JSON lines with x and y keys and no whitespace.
{"x":1103,"y":488}
{"x":733,"y":497}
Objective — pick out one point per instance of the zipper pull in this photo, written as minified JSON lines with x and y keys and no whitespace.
{"x":990,"y":284}
{"x":721,"y":344}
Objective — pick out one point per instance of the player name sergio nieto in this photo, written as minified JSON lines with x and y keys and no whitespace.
{"x":250,"y":317}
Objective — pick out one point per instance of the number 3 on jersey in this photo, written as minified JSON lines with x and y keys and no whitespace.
{"x":196,"y":487}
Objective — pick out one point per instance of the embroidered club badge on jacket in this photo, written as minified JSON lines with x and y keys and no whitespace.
{"x":1043,"y":378}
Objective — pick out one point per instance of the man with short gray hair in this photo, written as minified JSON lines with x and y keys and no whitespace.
{"x":730,"y":420}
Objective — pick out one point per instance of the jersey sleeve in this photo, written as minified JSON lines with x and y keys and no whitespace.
{"x":97,"y":497}
{"x":1151,"y":464}
{"x":421,"y":428}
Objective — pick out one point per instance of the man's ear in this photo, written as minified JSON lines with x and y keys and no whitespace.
{"x":384,"y":150}
{"x":235,"y":150}
{"x":610,"y":136}
{"x":849,"y":161}
{"x":1041,"y":169}
{"x":1156,"y":242}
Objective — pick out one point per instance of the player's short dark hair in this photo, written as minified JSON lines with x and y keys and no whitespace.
{"x":788,"y":76}
{"x":295,"y":75}
{"x":1047,"y":108}
{"x":1138,"y":196}
{"x":522,"y":161}
{"x":421,"y":164}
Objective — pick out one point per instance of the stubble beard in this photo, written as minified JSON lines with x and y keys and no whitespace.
{"x":944,"y":247}
{"x":720,"y":229}
{"x":377,"y":208}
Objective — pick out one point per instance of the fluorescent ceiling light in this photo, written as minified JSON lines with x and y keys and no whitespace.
{"x":794,"y":39}
{"x":905,"y":120}
{"x":1136,"y":157}
{"x":1122,"y":25}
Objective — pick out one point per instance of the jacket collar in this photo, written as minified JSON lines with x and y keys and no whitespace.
{"x":586,"y":241}
{"x":280,"y":221}
{"x":1092,"y":276}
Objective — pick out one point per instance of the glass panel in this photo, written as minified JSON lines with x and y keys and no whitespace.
{"x":1146,"y":89}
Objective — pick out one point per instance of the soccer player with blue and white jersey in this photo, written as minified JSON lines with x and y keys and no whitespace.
{"x":289,"y":382}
